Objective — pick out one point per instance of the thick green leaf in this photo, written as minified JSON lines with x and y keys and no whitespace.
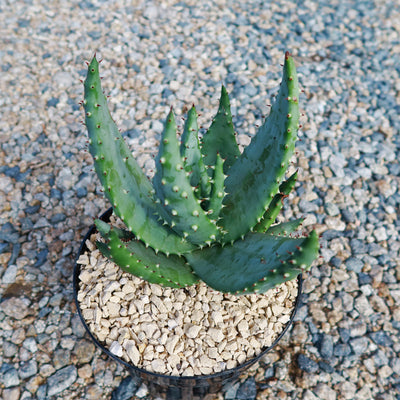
{"x":254,"y":179}
{"x":124,"y":182}
{"x":255,"y":264}
{"x":173,"y":188}
{"x":137,"y":259}
{"x":192,"y":157}
{"x":220,"y":137}
{"x":285,"y":228}
{"x":276,"y":204}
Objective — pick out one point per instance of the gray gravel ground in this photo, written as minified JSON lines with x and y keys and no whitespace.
{"x":345,"y":341}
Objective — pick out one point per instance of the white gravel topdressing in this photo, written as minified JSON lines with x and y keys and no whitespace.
{"x":186,"y":332}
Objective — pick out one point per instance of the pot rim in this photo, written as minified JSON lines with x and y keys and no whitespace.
{"x":218,"y":375}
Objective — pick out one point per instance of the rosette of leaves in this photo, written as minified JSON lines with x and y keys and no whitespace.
{"x":209,"y":211}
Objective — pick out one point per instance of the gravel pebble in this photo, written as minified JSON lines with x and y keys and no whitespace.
{"x":326,"y":346}
{"x":247,"y":390}
{"x":61,"y":380}
{"x":124,"y":391}
{"x":15,"y":307}
{"x":381,"y":338}
{"x":27,"y":369}
{"x":10,"y":274}
{"x":307,"y":364}
{"x":10,"y":376}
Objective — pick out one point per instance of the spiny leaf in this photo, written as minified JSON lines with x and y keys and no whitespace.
{"x":124,"y":182}
{"x":285,"y":228}
{"x":254,"y":178}
{"x":276,"y":204}
{"x":193,"y":159}
{"x":255,"y":264}
{"x":185,"y":215}
{"x":134,"y":257}
{"x":217,"y":195}
{"x":220,"y":137}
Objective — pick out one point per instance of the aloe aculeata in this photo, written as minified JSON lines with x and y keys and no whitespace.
{"x":209,"y":211}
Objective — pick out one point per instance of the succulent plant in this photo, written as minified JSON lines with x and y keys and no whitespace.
{"x":209,"y":211}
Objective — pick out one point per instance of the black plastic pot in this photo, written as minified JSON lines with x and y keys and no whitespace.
{"x":176,"y":387}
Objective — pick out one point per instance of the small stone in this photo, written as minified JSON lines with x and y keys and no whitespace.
{"x":206,"y":362}
{"x":93,"y":392}
{"x":150,"y":12}
{"x":77,"y":327}
{"x":385,"y":372}
{"x":126,"y":389}
{"x":85,"y":372}
{"x":116,"y":349}
{"x":342,"y":350}
{"x":344,"y":334}
{"x":380,"y":358}
{"x":113,"y":309}
{"x":10,"y":274}
{"x":362,"y":305}
{"x":27,"y":369}
{"x":307,"y":206}
{"x":128,"y":288}
{"x":354,"y":264}
{"x":142,"y":391}
{"x":395,"y":365}
{"x":149,"y":329}
{"x":61,"y":380}
{"x":325,"y":392}
{"x":68,"y":342}
{"x":364,"y":279}
{"x":14,"y":307}
{"x":347,"y":390}
{"x":358,"y":246}
{"x":243,"y":328}
{"x":171,"y":343}
{"x":358,"y":328}
{"x":173,"y":360}
{"x":269,"y":373}
{"x":30,"y":344}
{"x":306,"y":364}
{"x":192,"y":331}
{"x":247,"y":390}
{"x":46,"y":370}
{"x":348,"y":216}
{"x":9,"y":376}
{"x":326,"y":346}
{"x":9,"y":349}
{"x":299,"y":333}
{"x":308,"y":395}
{"x":158,"y":366}
{"x":381,"y":338}
{"x":359,"y":345}
{"x":132,"y":351}
{"x":231,"y":391}
{"x":61,"y":358}
{"x":340,"y":275}
{"x":12,"y":394}
{"x":63,"y":79}
{"x":216,"y":334}
{"x":332,"y":209}
{"x":326,"y":367}
{"x":380,"y":234}
{"x":84,"y":350}
{"x":18,"y":336}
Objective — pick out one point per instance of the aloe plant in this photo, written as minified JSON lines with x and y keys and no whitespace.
{"x":209,"y":211}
